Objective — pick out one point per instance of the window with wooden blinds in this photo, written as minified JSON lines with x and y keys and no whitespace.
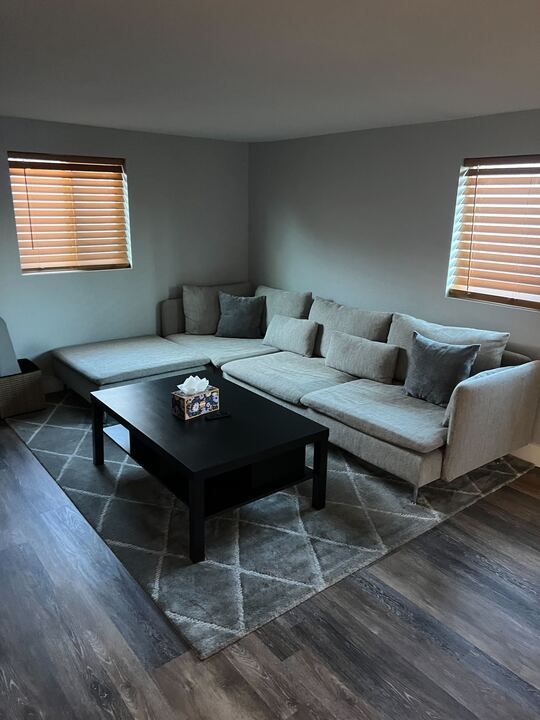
{"x":71,"y":213}
{"x":495,"y":252}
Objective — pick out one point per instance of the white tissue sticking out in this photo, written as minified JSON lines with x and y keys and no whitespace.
{"x":193,"y":385}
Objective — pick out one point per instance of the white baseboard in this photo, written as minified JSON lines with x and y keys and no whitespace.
{"x":531,"y":453}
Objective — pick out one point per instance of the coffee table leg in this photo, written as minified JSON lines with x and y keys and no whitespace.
{"x":98,"y":418}
{"x":196,"y":520}
{"x":320,"y":457}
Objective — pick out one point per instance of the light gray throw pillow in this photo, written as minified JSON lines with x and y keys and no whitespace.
{"x":492,"y":343}
{"x":362,"y":358}
{"x":292,"y":334}
{"x":332,"y":316}
{"x":436,"y":368}
{"x":201,"y":305}
{"x":284,"y":302}
{"x":240,"y":316}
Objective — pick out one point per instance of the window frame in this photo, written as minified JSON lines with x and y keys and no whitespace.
{"x":483,"y":169}
{"x":68,"y":163}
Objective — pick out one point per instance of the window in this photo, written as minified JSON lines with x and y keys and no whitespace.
{"x":71,"y":213}
{"x":496,"y":241}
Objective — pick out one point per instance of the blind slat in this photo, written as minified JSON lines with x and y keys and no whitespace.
{"x":488,"y":238}
{"x":32,"y":172}
{"x":70,"y":213}
{"x":94,"y":194}
{"x":495,"y":260}
{"x":496,"y":241}
{"x":510,"y":286}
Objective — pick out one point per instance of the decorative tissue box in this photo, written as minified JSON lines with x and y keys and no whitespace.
{"x":187,"y":407}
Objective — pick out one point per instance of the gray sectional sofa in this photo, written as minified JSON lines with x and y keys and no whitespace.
{"x":489,"y":414}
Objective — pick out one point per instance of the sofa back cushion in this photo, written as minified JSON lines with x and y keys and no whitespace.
{"x":284,"y":302}
{"x":491,"y":343}
{"x":291,"y":334}
{"x":240,"y":316}
{"x":201,"y":305}
{"x":333,"y":317}
{"x":172,"y":320}
{"x":363,"y":358}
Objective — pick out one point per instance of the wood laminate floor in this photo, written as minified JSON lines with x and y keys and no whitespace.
{"x":444,"y":628}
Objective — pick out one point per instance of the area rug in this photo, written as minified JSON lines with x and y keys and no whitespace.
{"x":262,"y":559}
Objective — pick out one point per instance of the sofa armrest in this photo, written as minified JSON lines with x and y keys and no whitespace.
{"x":171,"y":317}
{"x":489,"y":415}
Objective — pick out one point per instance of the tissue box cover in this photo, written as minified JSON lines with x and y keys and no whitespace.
{"x":187,"y":407}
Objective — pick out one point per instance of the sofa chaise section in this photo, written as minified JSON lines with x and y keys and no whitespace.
{"x":93,"y":366}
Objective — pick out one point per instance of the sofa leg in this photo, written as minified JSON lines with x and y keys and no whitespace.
{"x":415,"y":494}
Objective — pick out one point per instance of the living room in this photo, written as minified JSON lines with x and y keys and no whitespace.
{"x":330,"y":214}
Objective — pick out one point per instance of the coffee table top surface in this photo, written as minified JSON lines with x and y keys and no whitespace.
{"x":257,"y":427}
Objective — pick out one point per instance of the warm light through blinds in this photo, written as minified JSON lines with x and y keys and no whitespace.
{"x":496,"y":241}
{"x":71,"y":213}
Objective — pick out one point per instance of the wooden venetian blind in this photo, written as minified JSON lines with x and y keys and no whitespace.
{"x":71,"y":213}
{"x":496,"y":241}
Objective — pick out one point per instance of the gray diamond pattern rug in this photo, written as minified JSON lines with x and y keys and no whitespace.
{"x":262,"y":559}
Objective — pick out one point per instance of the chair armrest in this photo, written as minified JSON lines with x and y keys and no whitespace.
{"x":489,"y":415}
{"x":171,"y":317}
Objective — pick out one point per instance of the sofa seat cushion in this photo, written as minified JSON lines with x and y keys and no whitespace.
{"x":112,"y":361}
{"x":384,"y":412}
{"x":286,"y":375}
{"x":221,"y":350}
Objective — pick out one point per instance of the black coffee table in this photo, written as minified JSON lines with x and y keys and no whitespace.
{"x":212,"y":465}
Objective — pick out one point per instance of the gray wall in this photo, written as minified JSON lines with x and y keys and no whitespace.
{"x":366,"y":217}
{"x":188,"y":209}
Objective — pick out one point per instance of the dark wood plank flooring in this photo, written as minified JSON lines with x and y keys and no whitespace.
{"x":445,"y":628}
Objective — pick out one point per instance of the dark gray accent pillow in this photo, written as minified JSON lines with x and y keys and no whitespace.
{"x":241,"y":317}
{"x":436,"y":368}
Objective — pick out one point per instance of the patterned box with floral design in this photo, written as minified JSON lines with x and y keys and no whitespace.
{"x":188,"y":407}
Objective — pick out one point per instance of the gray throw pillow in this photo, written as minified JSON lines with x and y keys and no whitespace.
{"x":436,"y":368}
{"x":240,"y":316}
{"x":201,"y":305}
{"x":291,"y":334}
{"x":361,"y":357}
{"x":492,"y":344}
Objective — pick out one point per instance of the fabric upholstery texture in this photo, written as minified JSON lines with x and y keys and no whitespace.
{"x":292,"y":334}
{"x":384,"y":411}
{"x":436,"y":368}
{"x":514,"y":358}
{"x":362,"y":358}
{"x":240,"y":317}
{"x":112,"y":361}
{"x":417,"y":468}
{"x":221,"y":350}
{"x":492,"y":343}
{"x":201,"y":305}
{"x":332,"y":316}
{"x":172,"y":318}
{"x":284,"y":302}
{"x":286,"y":375}
{"x":474,"y":379}
{"x":489,"y":415}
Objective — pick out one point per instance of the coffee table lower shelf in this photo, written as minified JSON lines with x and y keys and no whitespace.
{"x":226,"y":491}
